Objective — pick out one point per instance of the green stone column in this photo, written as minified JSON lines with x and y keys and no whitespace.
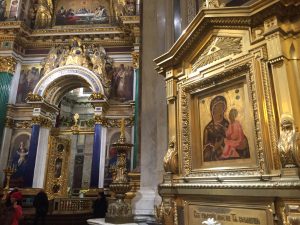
{"x":5,"y":84}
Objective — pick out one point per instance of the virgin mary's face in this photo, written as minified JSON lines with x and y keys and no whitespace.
{"x":218,"y":112}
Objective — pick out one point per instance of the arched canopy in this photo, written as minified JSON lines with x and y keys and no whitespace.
{"x":54,"y":85}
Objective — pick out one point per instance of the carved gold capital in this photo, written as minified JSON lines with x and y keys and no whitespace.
{"x":33,"y":97}
{"x":136,"y":59}
{"x":7,"y":64}
{"x":100,"y":120}
{"x":9,"y":122}
{"x":42,"y":121}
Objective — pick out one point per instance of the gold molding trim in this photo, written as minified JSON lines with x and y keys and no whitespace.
{"x":8,"y":64}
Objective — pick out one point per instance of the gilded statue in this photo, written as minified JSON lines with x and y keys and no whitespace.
{"x":211,"y":4}
{"x":171,"y":159}
{"x":44,"y":14}
{"x":287,"y":144}
{"x":76,"y":55}
{"x":76,"y":118}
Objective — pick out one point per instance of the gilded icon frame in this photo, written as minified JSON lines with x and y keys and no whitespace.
{"x":190,"y":91}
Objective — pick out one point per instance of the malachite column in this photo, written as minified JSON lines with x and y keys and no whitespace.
{"x":5,"y":84}
{"x":95,"y":170}
{"x":35,"y":132}
{"x":136,"y":148}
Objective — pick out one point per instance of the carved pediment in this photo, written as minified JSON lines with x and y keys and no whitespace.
{"x":217,"y":48}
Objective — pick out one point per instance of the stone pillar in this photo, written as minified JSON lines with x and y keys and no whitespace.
{"x":7,"y":67}
{"x":41,"y":156}
{"x":14,"y":85}
{"x":4,"y":154}
{"x":102,"y":157}
{"x":96,"y":156}
{"x":153,"y":116}
{"x":99,"y":102}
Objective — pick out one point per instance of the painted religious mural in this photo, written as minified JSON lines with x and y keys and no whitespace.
{"x":29,"y":77}
{"x":3,"y":9}
{"x":226,"y":131}
{"x":122,"y":83}
{"x":18,"y":158}
{"x":72,"y":12}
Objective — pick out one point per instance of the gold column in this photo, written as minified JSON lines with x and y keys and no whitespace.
{"x":284,"y":63}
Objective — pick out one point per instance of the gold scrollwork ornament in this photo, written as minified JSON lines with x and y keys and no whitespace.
{"x":166,"y":212}
{"x":7,"y":64}
{"x":31,"y":97}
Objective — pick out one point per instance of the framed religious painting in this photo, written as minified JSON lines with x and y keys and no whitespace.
{"x":221,"y":126}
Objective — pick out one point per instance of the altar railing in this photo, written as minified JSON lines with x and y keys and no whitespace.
{"x":72,"y":205}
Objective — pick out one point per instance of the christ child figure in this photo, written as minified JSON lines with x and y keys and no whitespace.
{"x":235,"y":137}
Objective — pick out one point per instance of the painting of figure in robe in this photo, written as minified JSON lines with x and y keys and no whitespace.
{"x":19,"y":159}
{"x":72,"y":12}
{"x":3,"y":5}
{"x":122,"y":83}
{"x":29,"y":77}
{"x":225,"y":130}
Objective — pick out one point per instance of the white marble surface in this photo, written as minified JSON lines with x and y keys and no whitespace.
{"x":101,"y":221}
{"x":41,"y":159}
{"x":4,"y":154}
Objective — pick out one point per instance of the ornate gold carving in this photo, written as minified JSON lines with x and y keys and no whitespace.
{"x":23,"y":124}
{"x":42,"y":121}
{"x":166,"y":212}
{"x":171,"y":159}
{"x":89,"y":56}
{"x":100,"y":120}
{"x":57,"y":169}
{"x":7,"y":64}
{"x":107,"y":122}
{"x":212,"y":4}
{"x":119,"y":211}
{"x":129,"y":122}
{"x":96,"y":96}
{"x":33,"y":97}
{"x":185,"y":133}
{"x":136,"y":59}
{"x":44,"y":14}
{"x":281,"y":212}
{"x":9,"y":122}
{"x":287,"y":144}
{"x":218,"y":48}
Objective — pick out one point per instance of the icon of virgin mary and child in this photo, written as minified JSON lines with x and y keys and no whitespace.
{"x":223,"y":139}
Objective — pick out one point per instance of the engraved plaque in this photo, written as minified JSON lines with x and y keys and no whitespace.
{"x":202,"y":214}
